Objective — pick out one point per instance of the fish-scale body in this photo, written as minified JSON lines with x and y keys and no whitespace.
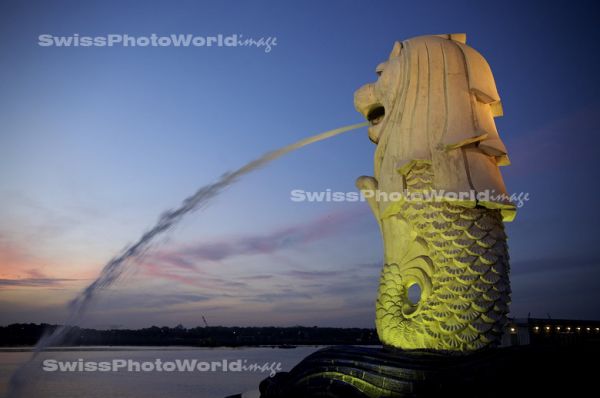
{"x":458,"y":256}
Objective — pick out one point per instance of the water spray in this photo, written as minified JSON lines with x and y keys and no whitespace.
{"x":113,"y":270}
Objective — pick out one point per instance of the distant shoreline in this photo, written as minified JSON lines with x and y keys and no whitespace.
{"x":25,"y":336}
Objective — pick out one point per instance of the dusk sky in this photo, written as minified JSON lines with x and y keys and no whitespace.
{"x":96,"y":142}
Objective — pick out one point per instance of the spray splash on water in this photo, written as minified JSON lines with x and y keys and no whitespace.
{"x":115,"y":267}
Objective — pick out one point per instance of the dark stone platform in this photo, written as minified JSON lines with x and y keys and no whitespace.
{"x":361,"y":372}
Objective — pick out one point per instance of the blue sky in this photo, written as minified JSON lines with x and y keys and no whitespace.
{"x":96,"y":142}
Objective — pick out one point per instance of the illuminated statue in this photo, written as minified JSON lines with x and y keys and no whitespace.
{"x":440,"y":202}
{"x":432,"y":115}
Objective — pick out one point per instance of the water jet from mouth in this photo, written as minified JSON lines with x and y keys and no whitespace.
{"x":115,"y":267}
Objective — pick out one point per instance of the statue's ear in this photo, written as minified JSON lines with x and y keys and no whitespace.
{"x":459,"y":37}
{"x":396,"y":50}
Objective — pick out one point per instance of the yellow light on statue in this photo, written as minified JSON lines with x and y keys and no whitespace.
{"x":417,"y":232}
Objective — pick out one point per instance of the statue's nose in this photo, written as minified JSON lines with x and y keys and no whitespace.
{"x":364,"y":99}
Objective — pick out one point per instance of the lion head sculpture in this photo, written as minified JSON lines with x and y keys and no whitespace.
{"x":435,"y":101}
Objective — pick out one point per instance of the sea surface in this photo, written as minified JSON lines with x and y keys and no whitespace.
{"x":136,"y":384}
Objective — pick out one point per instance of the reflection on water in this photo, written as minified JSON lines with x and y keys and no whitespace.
{"x":145,"y":384}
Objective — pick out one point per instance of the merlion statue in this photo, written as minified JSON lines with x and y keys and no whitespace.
{"x":432,"y":115}
{"x":440,"y":202}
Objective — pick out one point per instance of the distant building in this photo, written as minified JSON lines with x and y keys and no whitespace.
{"x":523,"y":331}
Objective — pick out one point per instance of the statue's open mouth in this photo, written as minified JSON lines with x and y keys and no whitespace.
{"x":375,"y":115}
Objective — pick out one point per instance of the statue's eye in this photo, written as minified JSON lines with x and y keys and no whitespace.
{"x":380,"y":68}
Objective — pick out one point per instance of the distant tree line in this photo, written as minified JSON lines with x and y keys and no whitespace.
{"x":27,"y":334}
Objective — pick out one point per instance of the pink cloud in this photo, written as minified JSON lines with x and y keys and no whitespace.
{"x":289,"y":237}
{"x":181,"y":264}
{"x":21,"y":268}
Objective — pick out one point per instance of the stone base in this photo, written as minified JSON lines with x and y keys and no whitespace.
{"x":361,"y":372}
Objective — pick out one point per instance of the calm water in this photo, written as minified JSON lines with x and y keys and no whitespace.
{"x":125,"y":384}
